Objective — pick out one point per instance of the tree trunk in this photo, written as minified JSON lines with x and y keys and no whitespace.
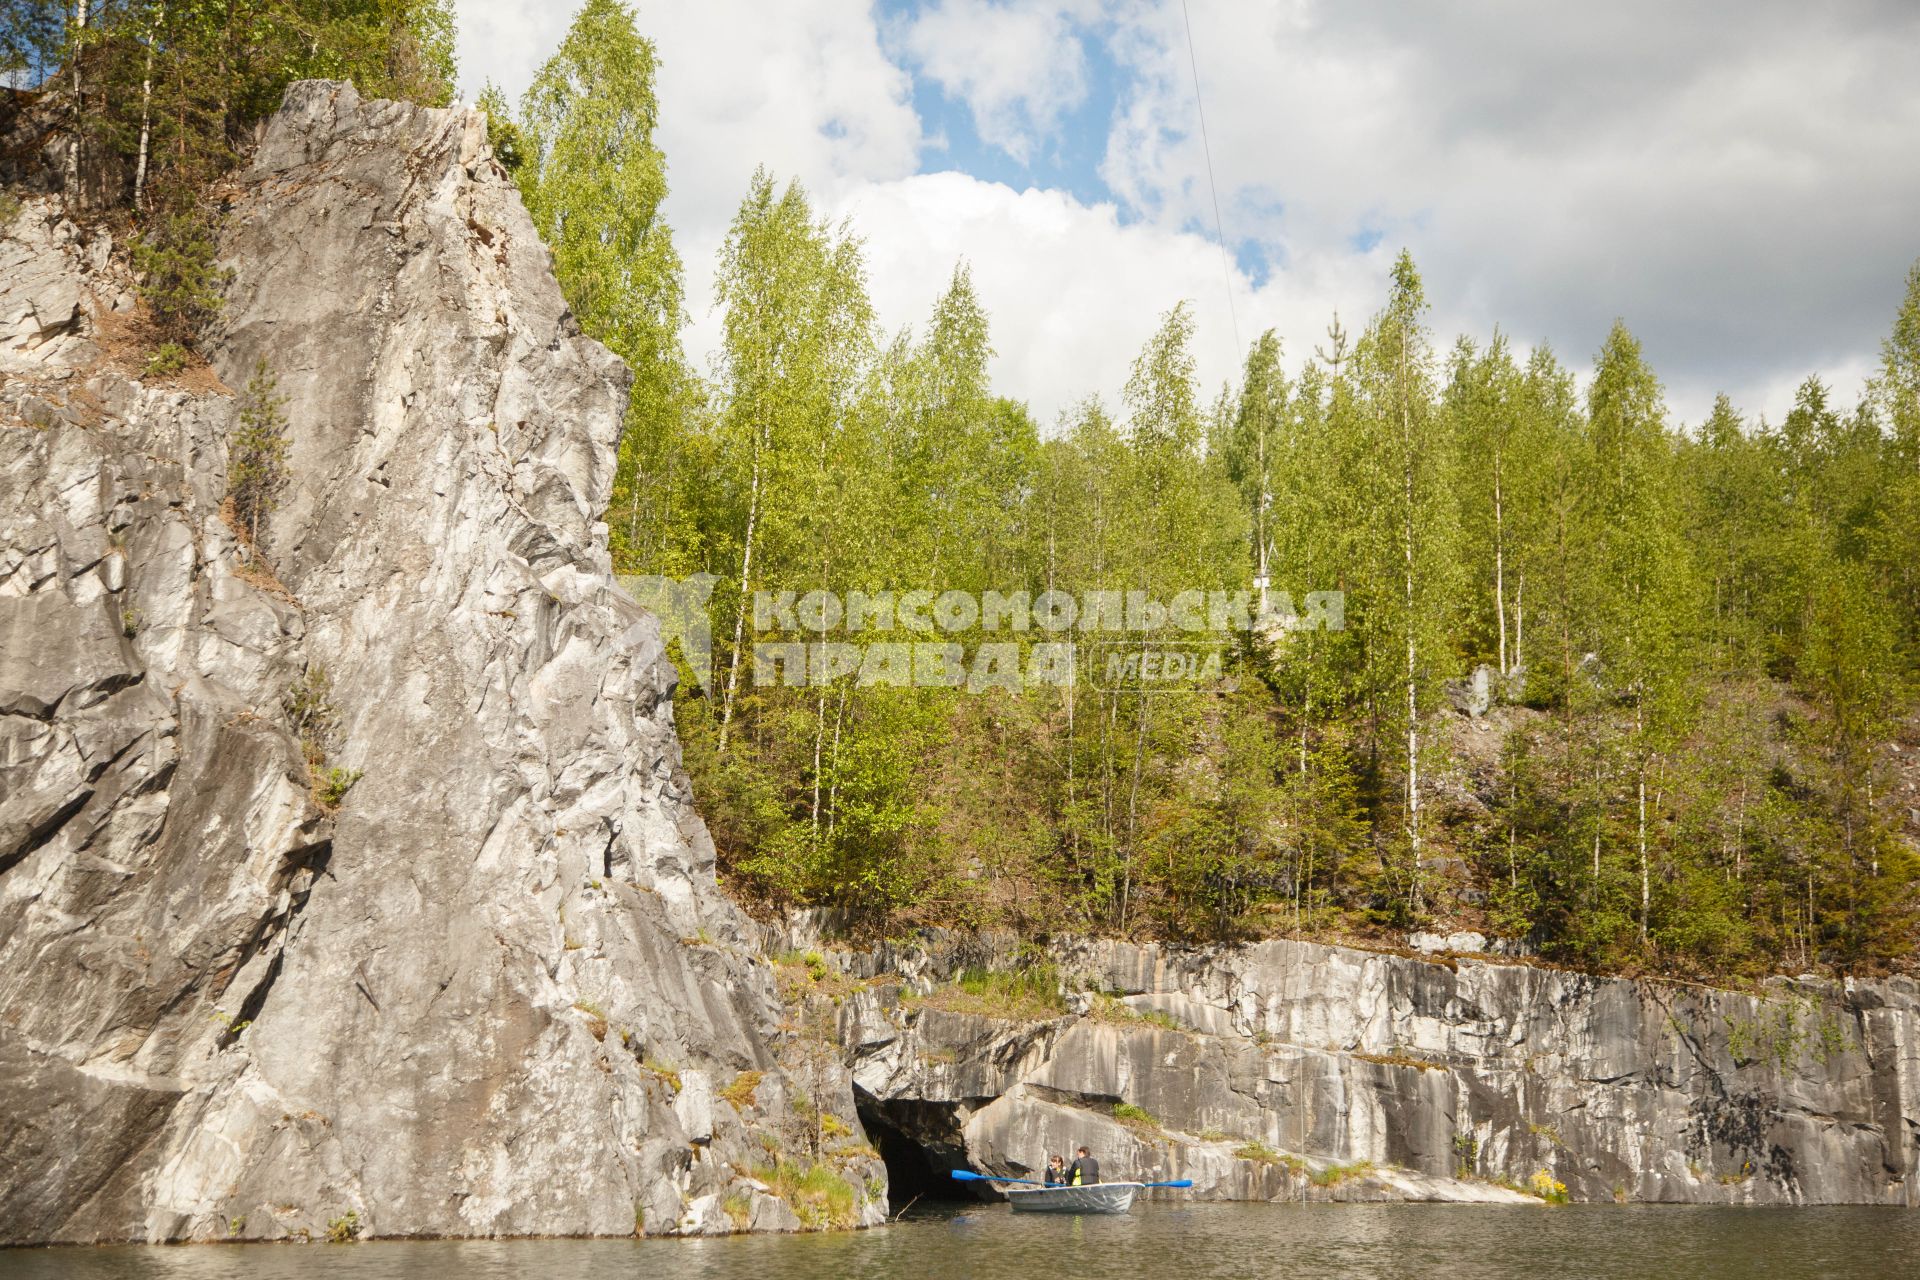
{"x":146,"y":112}
{"x":740,"y":621}
{"x":1499,"y":564}
{"x":79,"y":116}
{"x":1413,"y":656}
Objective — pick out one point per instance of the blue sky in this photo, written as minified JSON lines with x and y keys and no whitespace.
{"x":1068,"y":158}
{"x":1734,"y":178}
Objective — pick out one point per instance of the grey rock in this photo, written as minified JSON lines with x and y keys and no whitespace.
{"x":1473,"y":696}
{"x":1330,"y":1058}
{"x":494,"y":991}
{"x":1464,"y":943}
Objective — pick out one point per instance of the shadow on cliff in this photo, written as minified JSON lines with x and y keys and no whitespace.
{"x":922,"y":1144}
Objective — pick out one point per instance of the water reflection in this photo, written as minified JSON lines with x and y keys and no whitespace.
{"x":1193,"y":1242}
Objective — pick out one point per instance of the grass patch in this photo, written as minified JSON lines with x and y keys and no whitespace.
{"x":1401,"y":1060}
{"x":1031,"y":994}
{"x":1106,"y":1008}
{"x":818,"y":1196}
{"x":1260,"y":1153}
{"x":739,"y":1207}
{"x":1138,"y":1119}
{"x":740,"y":1094}
{"x":1334,"y":1175}
{"x":800,"y":974}
{"x":665,"y":1072}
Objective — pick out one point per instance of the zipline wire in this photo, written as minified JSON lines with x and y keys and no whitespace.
{"x":1206,"y":149}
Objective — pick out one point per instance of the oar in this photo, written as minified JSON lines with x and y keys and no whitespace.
{"x":968,"y":1175}
{"x":1184,"y":1182}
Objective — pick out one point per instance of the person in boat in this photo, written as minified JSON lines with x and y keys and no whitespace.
{"x":1085,"y":1170}
{"x":1056,"y":1174}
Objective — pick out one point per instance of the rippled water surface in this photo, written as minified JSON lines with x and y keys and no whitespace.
{"x":1186,"y":1242}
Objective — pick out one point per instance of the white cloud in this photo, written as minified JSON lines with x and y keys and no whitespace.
{"x":1730,"y":179}
{"x":1072,"y":290}
{"x":1018,"y":65}
{"x":802,"y":88}
{"x":1735,"y":180}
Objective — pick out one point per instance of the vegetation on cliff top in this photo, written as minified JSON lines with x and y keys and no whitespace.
{"x":1700,"y":640}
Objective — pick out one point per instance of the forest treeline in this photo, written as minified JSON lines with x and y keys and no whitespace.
{"x":1691,"y":741}
{"x":159,"y":99}
{"x":1699,"y":642}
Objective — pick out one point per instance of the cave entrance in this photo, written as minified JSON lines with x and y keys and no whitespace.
{"x":921,"y":1144}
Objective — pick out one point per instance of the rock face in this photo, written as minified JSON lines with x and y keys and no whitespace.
{"x":1281,"y":1070}
{"x":490,"y":989}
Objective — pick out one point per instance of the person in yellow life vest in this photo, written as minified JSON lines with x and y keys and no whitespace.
{"x":1085,"y":1170}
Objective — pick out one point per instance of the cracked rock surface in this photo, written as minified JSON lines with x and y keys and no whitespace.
{"x":1292,"y":1070}
{"x":490,"y":989}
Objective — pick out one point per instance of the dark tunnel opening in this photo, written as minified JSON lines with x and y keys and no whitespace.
{"x":921,"y":1145}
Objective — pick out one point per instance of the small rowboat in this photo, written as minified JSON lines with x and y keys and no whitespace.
{"x":1095,"y":1197}
{"x":1098,"y":1197}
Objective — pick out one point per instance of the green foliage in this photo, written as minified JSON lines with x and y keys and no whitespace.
{"x":1334,"y":1175}
{"x":1030,"y":993}
{"x":167,"y":92}
{"x":257,"y":456}
{"x":1700,"y":641}
{"x":178,"y":276}
{"x":167,"y":359}
{"x":818,"y":1195}
{"x":334,"y":787}
{"x":345,"y":1228}
{"x":1136,"y":1118}
{"x":584,"y":156}
{"x":1547,"y":1187}
{"x":1260,"y":1153}
{"x":503,"y":135}
{"x":315,"y":723}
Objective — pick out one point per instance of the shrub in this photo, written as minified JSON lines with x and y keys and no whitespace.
{"x":178,"y":277}
{"x":336,"y":785}
{"x":343,"y":1228}
{"x":167,"y":359}
{"x":257,"y":460}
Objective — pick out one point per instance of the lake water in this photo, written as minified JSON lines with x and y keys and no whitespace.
{"x":1185,"y":1242}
